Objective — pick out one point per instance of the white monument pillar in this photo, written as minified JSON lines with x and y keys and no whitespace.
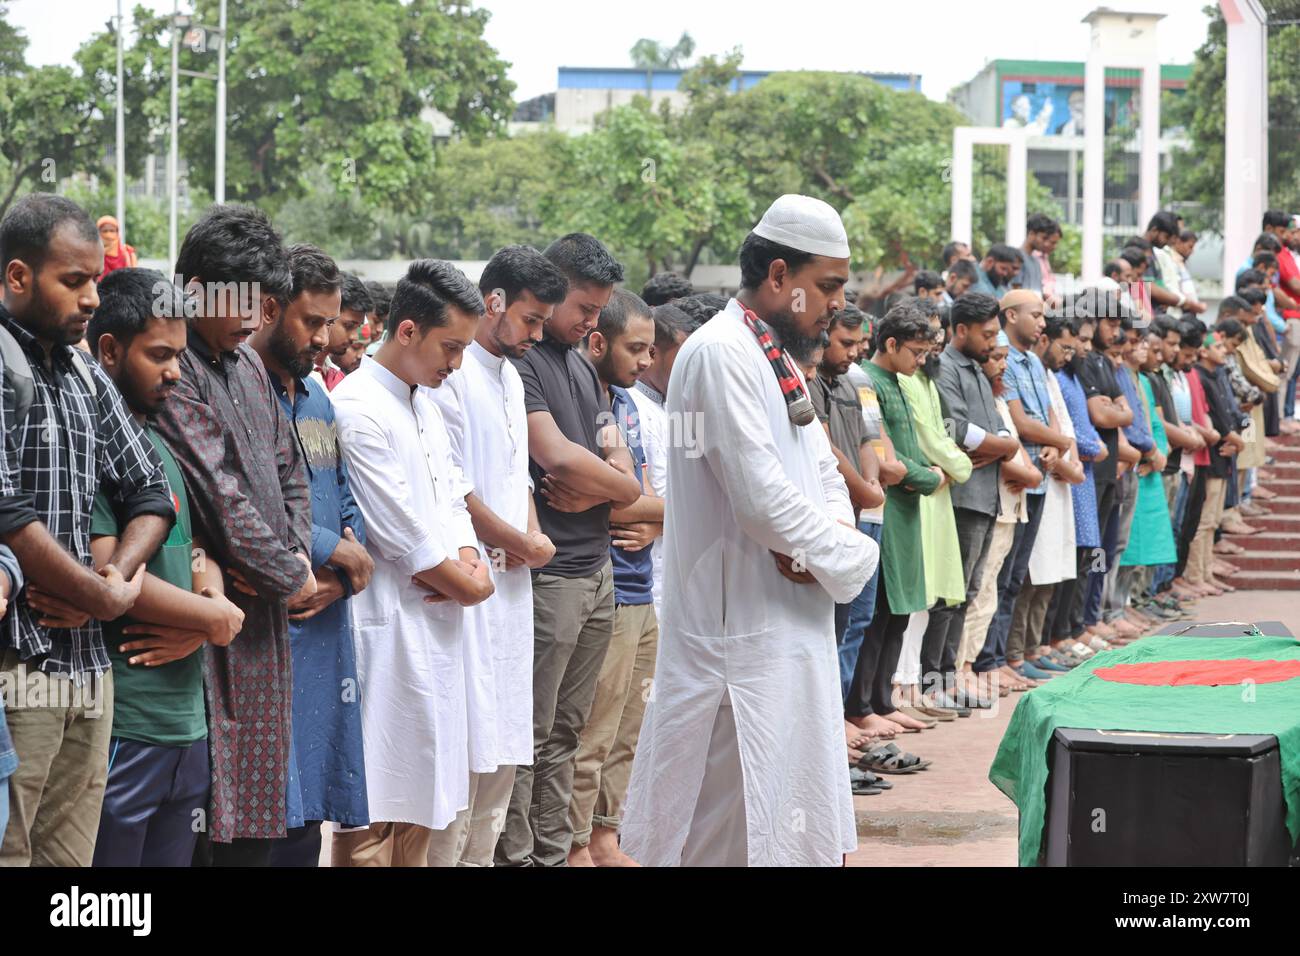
{"x":964,"y":139}
{"x":1245,"y":147}
{"x":1124,"y":41}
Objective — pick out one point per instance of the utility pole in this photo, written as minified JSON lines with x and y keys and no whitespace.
{"x":121,"y":135}
{"x":219,"y":187}
{"x":175,"y":127}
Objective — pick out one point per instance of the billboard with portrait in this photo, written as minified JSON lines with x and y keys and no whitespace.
{"x":1056,"y":109}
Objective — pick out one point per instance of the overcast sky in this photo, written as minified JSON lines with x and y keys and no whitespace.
{"x":946,"y":41}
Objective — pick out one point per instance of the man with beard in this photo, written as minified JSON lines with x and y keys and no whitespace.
{"x":158,"y":775}
{"x":759,"y":545}
{"x":327,"y":754}
{"x":74,"y":434}
{"x":335,"y":360}
{"x":482,"y":404}
{"x":251,"y":502}
{"x":977,"y":428}
{"x":620,"y":348}
{"x":1031,"y":409}
{"x":578,"y":474}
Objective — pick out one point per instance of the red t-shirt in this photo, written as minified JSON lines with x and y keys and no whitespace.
{"x":1200,"y":415}
{"x":1287,"y":270}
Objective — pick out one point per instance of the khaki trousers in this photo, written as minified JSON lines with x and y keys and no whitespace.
{"x":608,"y":742}
{"x":381,"y":844}
{"x":471,"y":838}
{"x":980,"y":612}
{"x":1201,"y":555}
{"x":61,"y":732}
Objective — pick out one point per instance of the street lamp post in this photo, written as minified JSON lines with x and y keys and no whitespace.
{"x":219,"y":187}
{"x":175,"y":124}
{"x":121,"y":132}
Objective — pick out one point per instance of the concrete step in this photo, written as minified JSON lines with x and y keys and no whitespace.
{"x":1265,"y":560}
{"x":1284,"y":486}
{"x":1261,"y":581}
{"x":1285,"y":523}
{"x":1262,"y":542}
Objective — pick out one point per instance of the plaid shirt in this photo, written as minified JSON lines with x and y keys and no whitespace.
{"x":72,"y":443}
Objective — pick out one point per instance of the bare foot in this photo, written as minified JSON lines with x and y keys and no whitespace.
{"x":579,"y":856}
{"x":875,"y":725}
{"x":855,"y":737}
{"x":605,"y":849}
{"x":904,"y":721}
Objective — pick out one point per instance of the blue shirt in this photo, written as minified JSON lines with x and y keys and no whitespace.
{"x":8,"y":756}
{"x":984,"y":283}
{"x":1026,"y":381}
{"x":1270,"y":307}
{"x":1138,"y":433}
{"x":327,"y":772}
{"x":633,"y":570}
{"x":1087,"y":533}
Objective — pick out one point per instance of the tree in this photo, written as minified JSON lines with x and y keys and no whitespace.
{"x":652,"y":55}
{"x":1198,"y":171}
{"x":315,"y":83}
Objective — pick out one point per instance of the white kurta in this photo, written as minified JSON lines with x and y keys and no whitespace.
{"x":1053,"y":558}
{"x":483,"y":406}
{"x":733,"y":626}
{"x":653,"y":426}
{"x":409,"y":653}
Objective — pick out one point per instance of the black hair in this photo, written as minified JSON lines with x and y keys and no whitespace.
{"x":1138,"y":242}
{"x":233,"y":243}
{"x":1058,"y":325}
{"x":1187,"y":236}
{"x":1164,"y":221}
{"x":1250,"y":277}
{"x":1230,"y":328}
{"x":950,"y":250}
{"x":381,"y":296}
{"x":663,"y":287}
{"x":584,"y":260}
{"x":1191,"y":333}
{"x":424,"y":293}
{"x":622,"y":306}
{"x":1001,"y":252}
{"x":757,"y":255}
{"x":964,"y":269}
{"x":1112,"y":268}
{"x":128,"y":299}
{"x":1253,"y":296}
{"x":1233,"y":304}
{"x":1163,"y":324}
{"x":974,"y":308}
{"x":1263,"y":260}
{"x":1134,"y":256}
{"x":702,"y":306}
{"x":520,"y":268}
{"x":356,"y":297}
{"x":1268,"y":242}
{"x":312,"y":270}
{"x":30,"y":224}
{"x":849,"y":317}
{"x":903,"y":323}
{"x":1041,"y":223}
{"x":670,"y":322}
{"x":1275,"y":217}
{"x":927,"y":280}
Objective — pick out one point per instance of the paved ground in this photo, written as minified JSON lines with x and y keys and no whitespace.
{"x":949,"y":814}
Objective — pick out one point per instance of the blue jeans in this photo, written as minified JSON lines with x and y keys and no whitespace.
{"x":1288,"y":409}
{"x":861,"y":610}
{"x":4,"y":805}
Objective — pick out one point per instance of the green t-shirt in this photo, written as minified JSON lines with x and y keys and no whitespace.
{"x":156,"y":705}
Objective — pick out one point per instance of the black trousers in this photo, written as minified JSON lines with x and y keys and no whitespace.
{"x":872,"y":685}
{"x":1192,"y":516}
{"x":300,"y":848}
{"x":242,"y":851}
{"x":943,"y":632}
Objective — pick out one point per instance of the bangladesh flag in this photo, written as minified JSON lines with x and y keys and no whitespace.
{"x":1245,"y":685}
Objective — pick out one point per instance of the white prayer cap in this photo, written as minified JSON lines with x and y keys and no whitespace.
{"x":806,"y":224}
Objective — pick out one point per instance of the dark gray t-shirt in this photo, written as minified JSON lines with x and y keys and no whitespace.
{"x":559,"y":380}
{"x":838,"y":406}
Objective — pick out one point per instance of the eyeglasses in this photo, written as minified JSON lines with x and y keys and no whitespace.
{"x":918,"y":354}
{"x":1068,"y":350}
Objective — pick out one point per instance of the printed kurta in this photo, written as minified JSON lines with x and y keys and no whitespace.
{"x":483,"y":406}
{"x":737,"y":629}
{"x":410,"y":656}
{"x":944,"y":576}
{"x":329,"y":763}
{"x":249,"y":501}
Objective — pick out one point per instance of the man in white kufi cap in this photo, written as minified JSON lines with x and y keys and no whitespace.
{"x":741,"y":759}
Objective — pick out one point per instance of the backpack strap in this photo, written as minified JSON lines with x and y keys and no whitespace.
{"x":18,"y":373}
{"x":79,"y":363}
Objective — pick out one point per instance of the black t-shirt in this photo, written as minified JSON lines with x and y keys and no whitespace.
{"x":1169,"y":412}
{"x":1097,"y":376}
{"x":558,"y":379}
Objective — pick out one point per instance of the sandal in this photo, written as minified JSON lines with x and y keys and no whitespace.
{"x":867,"y":778}
{"x":889,"y":759}
{"x":863,"y":784}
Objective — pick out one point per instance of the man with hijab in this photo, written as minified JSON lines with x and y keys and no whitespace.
{"x":759,"y":544}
